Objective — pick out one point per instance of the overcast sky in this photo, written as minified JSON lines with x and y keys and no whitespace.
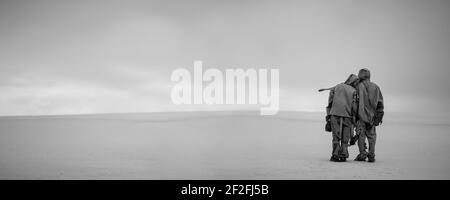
{"x":67,"y":57}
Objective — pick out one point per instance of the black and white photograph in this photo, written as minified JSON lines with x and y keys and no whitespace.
{"x":224,"y":90}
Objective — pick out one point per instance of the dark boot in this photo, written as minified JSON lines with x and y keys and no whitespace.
{"x":343,"y":160}
{"x":371,"y":159}
{"x":334,"y":159}
{"x":361,"y":157}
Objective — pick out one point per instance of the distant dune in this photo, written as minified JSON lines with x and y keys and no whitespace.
{"x":213,"y":145}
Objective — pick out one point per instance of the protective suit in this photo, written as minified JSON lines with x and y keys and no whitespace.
{"x":341,"y":110}
{"x":370,"y":114}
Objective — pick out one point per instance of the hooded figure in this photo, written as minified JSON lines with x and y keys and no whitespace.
{"x":341,"y":110}
{"x":370,"y":114}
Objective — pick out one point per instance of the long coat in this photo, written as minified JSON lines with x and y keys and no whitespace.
{"x":370,"y":101}
{"x":342,"y":101}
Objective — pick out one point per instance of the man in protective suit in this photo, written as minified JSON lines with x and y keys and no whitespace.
{"x":370,"y":115}
{"x":341,"y":111}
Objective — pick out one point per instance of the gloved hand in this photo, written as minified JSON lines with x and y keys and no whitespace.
{"x":378,"y":118}
{"x":328,"y":123}
{"x":354,"y":139}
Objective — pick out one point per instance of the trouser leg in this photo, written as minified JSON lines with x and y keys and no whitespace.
{"x":346,"y":134}
{"x":372,"y":138}
{"x":336,"y":146}
{"x":362,"y":143}
{"x":336,"y":136}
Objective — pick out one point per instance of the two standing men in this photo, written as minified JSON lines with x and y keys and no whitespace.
{"x":356,"y":102}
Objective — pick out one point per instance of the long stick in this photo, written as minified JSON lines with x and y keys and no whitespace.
{"x":323,"y":89}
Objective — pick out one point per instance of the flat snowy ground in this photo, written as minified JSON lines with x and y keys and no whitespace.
{"x":213,"y":145}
